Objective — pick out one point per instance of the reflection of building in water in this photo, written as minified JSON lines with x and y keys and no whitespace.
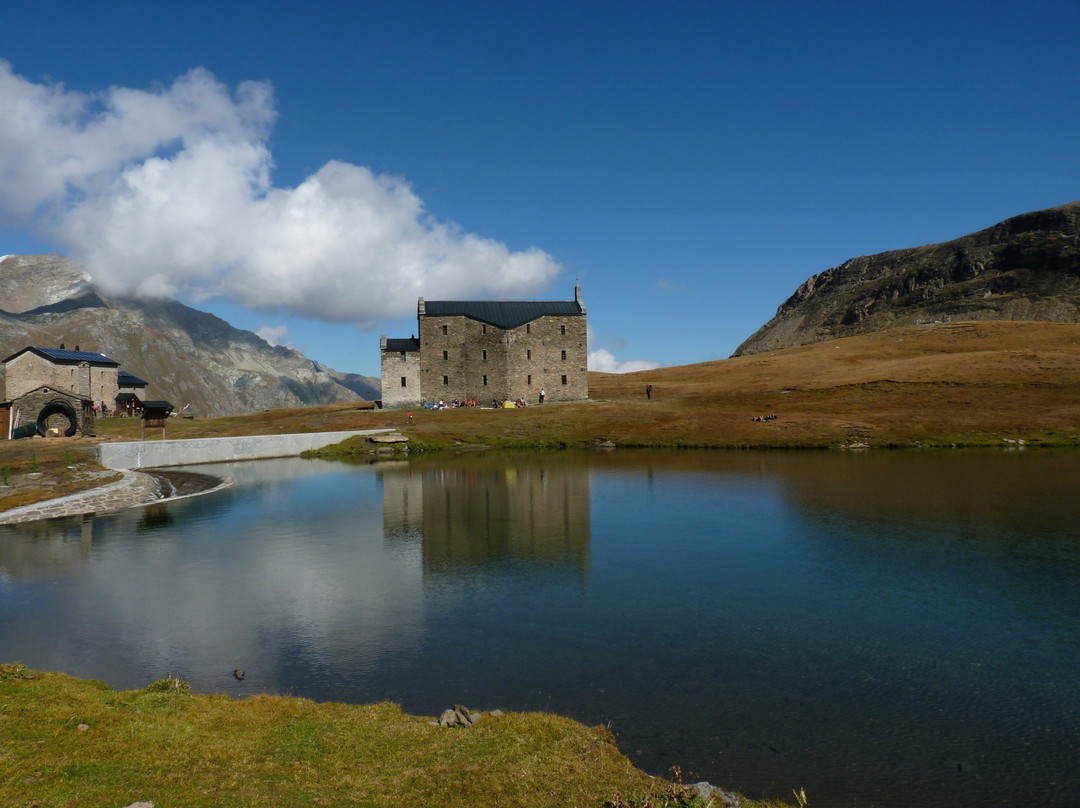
{"x":469,"y":514}
{"x":403,"y":501}
{"x":45,"y":547}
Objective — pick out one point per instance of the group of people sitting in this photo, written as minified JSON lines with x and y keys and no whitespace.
{"x":442,"y":405}
{"x":471,"y":402}
{"x":763,"y":418}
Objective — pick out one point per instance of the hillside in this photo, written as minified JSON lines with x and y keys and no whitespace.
{"x":1026,"y":268}
{"x":982,"y":383}
{"x":189,"y":357}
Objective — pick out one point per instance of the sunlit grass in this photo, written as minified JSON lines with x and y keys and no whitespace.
{"x":69,"y":742}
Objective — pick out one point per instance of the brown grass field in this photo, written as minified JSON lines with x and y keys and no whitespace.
{"x":958,"y":384}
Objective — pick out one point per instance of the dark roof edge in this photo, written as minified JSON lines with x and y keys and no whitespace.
{"x":65,"y":355}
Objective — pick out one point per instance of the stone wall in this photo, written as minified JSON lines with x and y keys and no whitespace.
{"x":549,"y":354}
{"x":153,"y":454}
{"x":30,"y":371}
{"x":462,"y":358}
{"x":396,"y":367}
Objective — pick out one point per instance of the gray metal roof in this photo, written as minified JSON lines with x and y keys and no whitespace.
{"x":66,"y":356}
{"x":125,"y":379}
{"x":503,"y":314}
{"x":406,"y":344}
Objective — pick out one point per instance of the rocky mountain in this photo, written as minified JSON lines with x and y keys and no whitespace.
{"x":188,"y":357}
{"x":1025,"y":268}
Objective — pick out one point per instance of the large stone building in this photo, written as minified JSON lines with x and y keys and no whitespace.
{"x":481,"y":351}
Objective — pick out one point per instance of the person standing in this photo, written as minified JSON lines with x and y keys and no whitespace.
{"x":648,"y":392}
{"x":541,"y":395}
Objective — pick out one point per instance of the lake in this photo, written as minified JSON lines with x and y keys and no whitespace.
{"x":880,"y":628}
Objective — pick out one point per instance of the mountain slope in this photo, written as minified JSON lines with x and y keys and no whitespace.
{"x":189,"y":357}
{"x":1025,"y":268}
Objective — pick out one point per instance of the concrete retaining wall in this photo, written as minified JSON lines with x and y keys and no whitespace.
{"x":152,"y":454}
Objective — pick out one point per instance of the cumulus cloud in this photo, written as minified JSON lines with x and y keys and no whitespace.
{"x":604,"y":361}
{"x":169,"y":192}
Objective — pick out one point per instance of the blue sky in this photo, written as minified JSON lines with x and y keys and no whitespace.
{"x":307,"y":170}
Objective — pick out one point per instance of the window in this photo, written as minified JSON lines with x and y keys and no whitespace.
{"x":485,"y":381}
{"x":445,"y":355}
{"x":564,"y":379}
{"x":444,"y":330}
{"x":402,"y":356}
{"x":528,"y":354}
{"x":528,"y":328}
{"x":529,"y":380}
{"x":446,"y":380}
{"x":562,"y":330}
{"x":484,"y":352}
{"x":483,"y":328}
{"x":564,"y":356}
{"x":403,"y":384}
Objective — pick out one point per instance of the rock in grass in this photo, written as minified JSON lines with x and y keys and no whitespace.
{"x":458,"y":717}
{"x":393,"y":437}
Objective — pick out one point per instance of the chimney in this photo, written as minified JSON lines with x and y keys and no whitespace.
{"x":382,"y":342}
{"x":577,"y":297}
{"x":420,"y":307}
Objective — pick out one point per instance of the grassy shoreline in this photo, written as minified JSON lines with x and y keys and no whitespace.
{"x":69,"y":742}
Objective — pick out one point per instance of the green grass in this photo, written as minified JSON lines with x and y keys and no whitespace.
{"x":70,"y":742}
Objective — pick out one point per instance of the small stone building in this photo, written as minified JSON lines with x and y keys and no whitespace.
{"x":468,"y":350}
{"x":84,"y":373}
{"x":43,"y":383}
{"x":54,"y":408}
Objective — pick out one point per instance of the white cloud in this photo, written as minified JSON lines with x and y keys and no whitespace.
{"x":275,"y":334}
{"x":604,"y":361}
{"x":170,"y":192}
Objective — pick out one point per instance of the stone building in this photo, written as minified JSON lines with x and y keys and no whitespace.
{"x":42,"y":383}
{"x":469,"y":350}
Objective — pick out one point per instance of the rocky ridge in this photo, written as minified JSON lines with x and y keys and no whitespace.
{"x":1024,"y":268}
{"x":190,"y":358}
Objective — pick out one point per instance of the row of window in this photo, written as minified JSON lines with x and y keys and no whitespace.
{"x":483,"y":355}
{"x":483,"y":330}
{"x":446,"y":380}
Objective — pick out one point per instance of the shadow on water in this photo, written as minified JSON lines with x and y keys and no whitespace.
{"x":879,"y":628}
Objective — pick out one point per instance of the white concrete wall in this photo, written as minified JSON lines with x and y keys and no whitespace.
{"x":153,"y":454}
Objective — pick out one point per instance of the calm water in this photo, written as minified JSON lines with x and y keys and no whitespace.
{"x":883,"y":629}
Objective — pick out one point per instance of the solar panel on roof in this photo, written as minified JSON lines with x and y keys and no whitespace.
{"x":66,"y":355}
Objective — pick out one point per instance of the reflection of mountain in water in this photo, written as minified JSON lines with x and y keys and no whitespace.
{"x":468,"y":514}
